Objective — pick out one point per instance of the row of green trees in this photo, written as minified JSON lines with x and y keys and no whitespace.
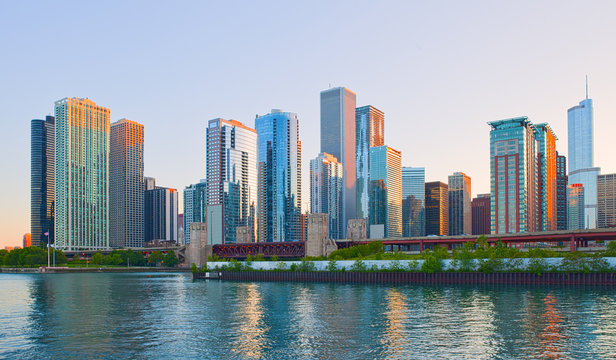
{"x":132,"y":258}
{"x":31,"y":256}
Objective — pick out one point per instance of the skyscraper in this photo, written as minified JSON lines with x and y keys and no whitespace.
{"x":413,"y":201}
{"x":194,"y":206}
{"x":82,"y":175}
{"x":161,"y":214}
{"x":480,"y":207}
{"x":437,"y":208}
{"x":386,"y":184}
{"x":575,"y":206}
{"x":561,"y":192}
{"x":547,"y":183}
{"x":606,"y":201}
{"x":459,"y":196}
{"x":231,"y":177}
{"x":513,"y":176}
{"x":126,"y":184}
{"x":279,"y":174}
{"x":581,"y":156}
{"x":369,"y":132}
{"x":338,"y":139}
{"x":326,"y":191}
{"x":42,"y":180}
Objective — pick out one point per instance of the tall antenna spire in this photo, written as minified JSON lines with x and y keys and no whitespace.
{"x":586,"y":87}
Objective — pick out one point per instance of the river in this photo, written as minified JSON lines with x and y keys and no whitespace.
{"x":168,"y":316}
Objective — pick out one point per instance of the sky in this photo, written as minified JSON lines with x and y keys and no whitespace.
{"x":439,"y":70}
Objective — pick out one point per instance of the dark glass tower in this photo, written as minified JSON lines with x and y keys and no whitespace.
{"x":561,"y":192}
{"x":42,"y":180}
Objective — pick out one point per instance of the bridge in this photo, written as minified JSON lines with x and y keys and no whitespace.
{"x":180,"y":252}
{"x":297,"y":249}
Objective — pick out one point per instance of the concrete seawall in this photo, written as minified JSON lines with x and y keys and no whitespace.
{"x":88,"y":270}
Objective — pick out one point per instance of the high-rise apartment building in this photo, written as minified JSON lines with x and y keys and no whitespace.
{"x":460,"y":214}
{"x":126,"y":184}
{"x":386,"y":185}
{"x":161,"y":214}
{"x":42,"y":179}
{"x":575,"y":206}
{"x":338,"y":139}
{"x":581,"y":156}
{"x":27,"y":240}
{"x":547,"y":179}
{"x":82,"y":175}
{"x":279,"y":175}
{"x":437,"y":208}
{"x":231,"y":178}
{"x":480,"y":207}
{"x":561,"y":192}
{"x":513,"y":176}
{"x":369,"y":132}
{"x":326,"y":191}
{"x":606,"y":200}
{"x":413,"y":201}
{"x":194,"y":206}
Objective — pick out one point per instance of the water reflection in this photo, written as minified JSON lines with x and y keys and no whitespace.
{"x":551,"y":336}
{"x":250,"y":342}
{"x":395,"y":335}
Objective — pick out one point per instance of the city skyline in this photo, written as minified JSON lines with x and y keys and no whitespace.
{"x":409,"y":76}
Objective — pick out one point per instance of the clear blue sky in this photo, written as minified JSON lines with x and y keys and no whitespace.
{"x":439,"y":70}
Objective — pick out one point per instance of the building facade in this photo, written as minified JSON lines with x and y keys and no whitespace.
{"x":161,"y":214}
{"x":82,"y":175}
{"x":326,"y":191}
{"x":194,"y":206}
{"x":547,"y":182}
{"x":232,"y":176}
{"x":575,"y":207}
{"x":369,"y":132}
{"x":580,"y":130}
{"x":338,"y":139}
{"x":437,"y":208}
{"x":460,"y":214}
{"x":606,"y":200}
{"x":561,"y":192}
{"x":413,"y":201}
{"x":480,"y":207}
{"x":42,"y":179}
{"x":513,"y":176}
{"x":279,"y":177}
{"x":386,"y":189}
{"x":126,"y":184}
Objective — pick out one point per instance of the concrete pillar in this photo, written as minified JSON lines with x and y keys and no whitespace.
{"x":317,"y":241}
{"x":198,"y":250}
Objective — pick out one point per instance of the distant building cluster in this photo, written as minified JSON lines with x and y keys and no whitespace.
{"x":88,"y":189}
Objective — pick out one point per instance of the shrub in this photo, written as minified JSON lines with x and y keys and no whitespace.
{"x":490,"y":265}
{"x":193,"y":268}
{"x":413,"y":265}
{"x":306,"y":266}
{"x":599,"y":264}
{"x":274,"y":258}
{"x":293,"y":267}
{"x":281,"y":266}
{"x":332,"y":265}
{"x":432,"y":264}
{"x":359,"y":266}
{"x":515,"y":264}
{"x":574,"y":262}
{"x":537,"y":266}
{"x":395,"y":265}
{"x":259,"y":257}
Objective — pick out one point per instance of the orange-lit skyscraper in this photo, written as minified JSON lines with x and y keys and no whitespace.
{"x":82,"y":175}
{"x":437,"y":208}
{"x":126,"y":184}
{"x":27,"y":240}
{"x":546,"y":184}
{"x":460,"y":204}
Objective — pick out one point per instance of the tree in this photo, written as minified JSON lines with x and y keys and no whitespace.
{"x":97,"y":258}
{"x":155,"y":258}
{"x":170,"y":259}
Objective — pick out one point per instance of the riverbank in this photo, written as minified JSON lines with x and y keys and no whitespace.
{"x":56,"y":270}
{"x":401,"y":277}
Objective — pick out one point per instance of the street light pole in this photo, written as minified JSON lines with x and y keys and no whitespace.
{"x":47,"y":233}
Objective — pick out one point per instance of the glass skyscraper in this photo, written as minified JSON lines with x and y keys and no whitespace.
{"x":413,"y":201}
{"x":126,"y":184}
{"x":575,"y":206}
{"x":437,"y":208}
{"x":459,"y":196}
{"x":161,"y":214}
{"x":581,"y":157}
{"x":369,"y":132}
{"x":326,"y":191}
{"x":513,"y":176}
{"x":547,"y":180}
{"x":231,"y":178}
{"x":194,"y":206}
{"x":338,"y":139}
{"x":82,"y":175}
{"x":606,"y":201}
{"x":561,"y":192}
{"x":386,"y":189}
{"x":279,"y":174}
{"x":42,"y":180}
